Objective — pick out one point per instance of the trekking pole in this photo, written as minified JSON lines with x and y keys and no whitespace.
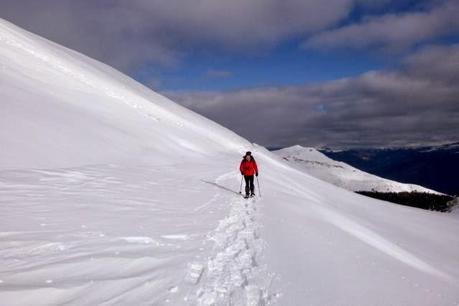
{"x":240,"y":188}
{"x":259,"y":190}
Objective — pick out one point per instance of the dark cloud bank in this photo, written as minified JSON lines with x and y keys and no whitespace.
{"x":126,"y":34}
{"x":417,"y":105}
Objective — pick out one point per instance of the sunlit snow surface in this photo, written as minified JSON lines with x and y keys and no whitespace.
{"x":113,"y":195}
{"x":125,"y":234}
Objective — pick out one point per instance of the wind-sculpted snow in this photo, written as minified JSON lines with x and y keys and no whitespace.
{"x":124,"y":235}
{"x":113,"y":195}
{"x":102,"y":233}
{"x":334,"y":237}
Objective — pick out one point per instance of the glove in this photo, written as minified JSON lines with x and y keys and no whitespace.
{"x":256,"y":174}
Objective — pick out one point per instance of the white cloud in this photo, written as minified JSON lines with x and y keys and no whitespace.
{"x":379,"y":108}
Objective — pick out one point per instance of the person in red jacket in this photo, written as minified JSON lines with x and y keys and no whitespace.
{"x":248,"y":169}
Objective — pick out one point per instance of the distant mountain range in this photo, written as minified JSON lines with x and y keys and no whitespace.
{"x":435,"y":167}
{"x":315,"y":163}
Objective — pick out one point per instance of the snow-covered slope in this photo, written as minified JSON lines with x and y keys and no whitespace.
{"x":113,"y":195}
{"x":60,"y":108}
{"x":341,"y":174}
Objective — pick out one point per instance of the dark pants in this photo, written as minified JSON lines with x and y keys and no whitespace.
{"x":249,"y":186}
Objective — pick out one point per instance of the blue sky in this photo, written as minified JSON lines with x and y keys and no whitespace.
{"x":287,"y":64}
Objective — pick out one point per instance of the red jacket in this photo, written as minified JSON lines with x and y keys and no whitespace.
{"x":248,"y":168}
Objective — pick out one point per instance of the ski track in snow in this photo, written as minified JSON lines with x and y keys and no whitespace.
{"x":232,"y":275}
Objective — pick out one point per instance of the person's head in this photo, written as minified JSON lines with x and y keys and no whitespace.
{"x":248,"y":155}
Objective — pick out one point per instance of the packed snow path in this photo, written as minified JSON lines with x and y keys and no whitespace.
{"x":232,"y":275}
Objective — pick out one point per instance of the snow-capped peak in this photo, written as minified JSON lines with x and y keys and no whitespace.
{"x":341,"y":174}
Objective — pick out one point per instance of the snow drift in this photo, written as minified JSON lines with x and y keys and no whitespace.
{"x":111,"y":194}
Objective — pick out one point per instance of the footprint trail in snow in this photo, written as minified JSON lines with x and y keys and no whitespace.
{"x":232,"y":275}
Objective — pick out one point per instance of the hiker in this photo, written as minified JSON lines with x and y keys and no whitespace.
{"x":248,"y":169}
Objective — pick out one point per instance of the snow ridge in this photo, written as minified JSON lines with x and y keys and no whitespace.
{"x":317,"y":164}
{"x":232,"y":274}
